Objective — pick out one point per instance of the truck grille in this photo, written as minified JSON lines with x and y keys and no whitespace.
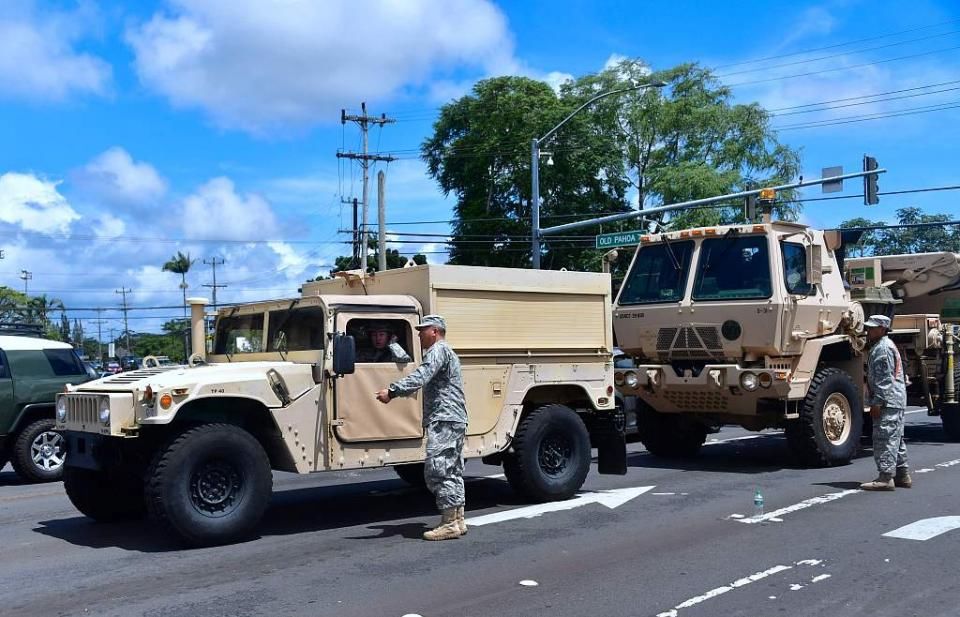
{"x":82,"y":408}
{"x":697,"y":401}
{"x":689,"y":342}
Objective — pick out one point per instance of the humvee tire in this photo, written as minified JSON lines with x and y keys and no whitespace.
{"x":412,"y":474}
{"x":104,"y":497}
{"x":831,"y":420}
{"x":950,"y":417}
{"x":211,"y":484}
{"x":38,"y":452}
{"x":550,"y":454}
{"x":667,"y":435}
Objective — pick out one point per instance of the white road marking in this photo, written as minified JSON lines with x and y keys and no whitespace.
{"x":926,"y":528}
{"x":496,"y":476}
{"x":611,"y":499}
{"x":796,"y":587}
{"x":810,"y":562}
{"x":663,"y":493}
{"x":949,"y":463}
{"x":713,"y":593}
{"x":907,"y":413}
{"x":728,"y":440}
{"x":924,"y":470}
{"x":776,"y":515}
{"x":411,"y":615}
{"x":822,"y":577}
{"x":735,"y":516}
{"x":529,"y":583}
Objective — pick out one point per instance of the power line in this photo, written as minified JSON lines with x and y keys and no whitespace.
{"x":862,"y":96}
{"x":864,"y":118}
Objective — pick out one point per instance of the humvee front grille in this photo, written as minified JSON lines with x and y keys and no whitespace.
{"x":82,"y":408}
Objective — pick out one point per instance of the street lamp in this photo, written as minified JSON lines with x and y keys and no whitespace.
{"x":535,"y":162}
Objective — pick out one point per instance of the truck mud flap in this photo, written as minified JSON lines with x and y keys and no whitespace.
{"x":611,"y":450}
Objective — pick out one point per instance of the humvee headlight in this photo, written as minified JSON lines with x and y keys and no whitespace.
{"x":631,"y":380}
{"x":749,"y":381}
{"x":61,"y":409}
{"x":105,"y":411}
{"x":618,"y":379}
{"x":766,"y":380}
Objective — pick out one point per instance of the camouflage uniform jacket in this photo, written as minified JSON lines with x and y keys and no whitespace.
{"x":885,"y":376}
{"x":442,"y":382}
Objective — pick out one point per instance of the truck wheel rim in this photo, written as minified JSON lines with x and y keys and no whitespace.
{"x":216,"y":488}
{"x":837,"y":418}
{"x":47,"y":451}
{"x":555,"y":453}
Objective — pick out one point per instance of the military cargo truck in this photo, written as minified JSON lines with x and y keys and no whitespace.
{"x":284,"y":389}
{"x":749,"y":325}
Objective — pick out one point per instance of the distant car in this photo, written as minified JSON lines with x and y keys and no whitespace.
{"x":130,"y":363}
{"x":112,"y":368}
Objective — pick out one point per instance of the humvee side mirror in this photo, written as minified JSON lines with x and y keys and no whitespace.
{"x":814,"y":264}
{"x":344,"y":354}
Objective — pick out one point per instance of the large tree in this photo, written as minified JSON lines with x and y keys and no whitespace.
{"x":648,"y":147}
{"x":924,"y":238}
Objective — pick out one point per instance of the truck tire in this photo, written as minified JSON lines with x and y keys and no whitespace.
{"x":38,"y":452}
{"x":831,"y":420}
{"x":667,"y":435}
{"x":210,"y":485}
{"x":103,"y":496}
{"x":550,"y":454}
{"x":412,"y":474}
{"x":950,"y":417}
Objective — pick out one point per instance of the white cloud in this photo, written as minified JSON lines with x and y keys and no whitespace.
{"x":34,"y":204}
{"x":38,"y":55}
{"x":259,"y":65}
{"x":613,"y":61}
{"x":216,"y":210}
{"x":114,"y":177}
{"x":108,"y":226}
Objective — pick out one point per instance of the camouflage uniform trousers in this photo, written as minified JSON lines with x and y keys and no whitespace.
{"x":889,"y":451}
{"x":443,"y":468}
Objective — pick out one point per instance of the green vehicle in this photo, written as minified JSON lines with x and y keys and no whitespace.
{"x":32,"y":372}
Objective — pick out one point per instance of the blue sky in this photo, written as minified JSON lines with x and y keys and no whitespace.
{"x":129,"y":131}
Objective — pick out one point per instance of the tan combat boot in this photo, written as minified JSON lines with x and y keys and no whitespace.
{"x":448,"y":529}
{"x":902,"y":479}
{"x":884,"y":482}
{"x":461,"y":522}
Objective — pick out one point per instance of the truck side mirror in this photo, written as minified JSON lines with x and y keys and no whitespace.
{"x":814,"y":264}
{"x":344,"y":354}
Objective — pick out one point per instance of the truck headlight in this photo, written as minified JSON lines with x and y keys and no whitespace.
{"x":105,"y":411}
{"x":62,"y":409}
{"x":631,"y":380}
{"x":749,"y":381}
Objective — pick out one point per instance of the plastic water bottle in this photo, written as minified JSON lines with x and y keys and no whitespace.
{"x":757,"y":503}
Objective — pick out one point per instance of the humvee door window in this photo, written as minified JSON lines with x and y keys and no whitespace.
{"x":239,"y":334}
{"x":659,"y":274}
{"x":733,"y":268}
{"x":795,"y":269}
{"x":381,"y":340}
{"x":298,"y":329}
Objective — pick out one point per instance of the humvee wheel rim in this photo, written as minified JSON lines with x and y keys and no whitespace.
{"x":837,"y":418}
{"x":216,"y":488}
{"x":556,"y":451}
{"x":47,"y":451}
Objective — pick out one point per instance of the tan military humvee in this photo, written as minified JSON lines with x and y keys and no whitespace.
{"x":283,"y":389}
{"x":744,"y":324}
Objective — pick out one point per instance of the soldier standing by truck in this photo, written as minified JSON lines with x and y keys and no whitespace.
{"x":888,"y":401}
{"x":444,"y":422}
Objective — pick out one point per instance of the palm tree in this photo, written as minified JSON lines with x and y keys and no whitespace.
{"x":180,"y":264}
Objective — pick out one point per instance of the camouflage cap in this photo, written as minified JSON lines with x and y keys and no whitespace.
{"x":379,"y":326}
{"x":432,"y":320}
{"x":878,"y":321}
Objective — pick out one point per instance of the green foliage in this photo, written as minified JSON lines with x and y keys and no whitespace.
{"x":394,"y":260}
{"x":905,"y":241}
{"x":179,"y":264}
{"x":657,"y":147}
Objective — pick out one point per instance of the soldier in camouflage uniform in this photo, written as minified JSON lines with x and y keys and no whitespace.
{"x":444,"y":422}
{"x":888,"y":401}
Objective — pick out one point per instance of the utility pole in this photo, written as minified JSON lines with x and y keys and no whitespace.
{"x":364,"y":121}
{"x":26,"y":275}
{"x":99,"y":321}
{"x":382,"y":221}
{"x":213,"y":262}
{"x":126,"y":328}
{"x":355,"y":242}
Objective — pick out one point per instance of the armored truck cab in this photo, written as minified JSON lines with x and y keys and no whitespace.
{"x":290,"y":386}
{"x":742,"y":324}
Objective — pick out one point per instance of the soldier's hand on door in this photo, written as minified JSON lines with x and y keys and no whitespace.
{"x":383,"y":396}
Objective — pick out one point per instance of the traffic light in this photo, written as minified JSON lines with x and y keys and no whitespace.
{"x":870,"y":186}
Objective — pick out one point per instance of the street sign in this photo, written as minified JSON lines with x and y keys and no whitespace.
{"x":835,"y":186}
{"x":623,"y":238}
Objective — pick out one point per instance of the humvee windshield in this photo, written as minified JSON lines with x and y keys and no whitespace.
{"x":659,"y":274}
{"x":239,"y":334}
{"x":299,"y":329}
{"x":733,"y":268}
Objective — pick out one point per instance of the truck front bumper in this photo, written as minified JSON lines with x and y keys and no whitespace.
{"x":90,"y":450}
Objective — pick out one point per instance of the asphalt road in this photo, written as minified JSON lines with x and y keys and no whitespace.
{"x":691,"y":545}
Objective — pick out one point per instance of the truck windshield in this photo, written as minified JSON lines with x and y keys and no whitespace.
{"x":659,"y":274}
{"x":733,"y":268}
{"x":299,"y":329}
{"x":239,"y":334}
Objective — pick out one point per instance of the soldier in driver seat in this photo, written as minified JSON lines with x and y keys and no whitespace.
{"x":384,"y":345}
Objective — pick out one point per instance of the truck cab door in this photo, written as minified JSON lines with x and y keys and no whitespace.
{"x":358,"y":416}
{"x":8,"y":407}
